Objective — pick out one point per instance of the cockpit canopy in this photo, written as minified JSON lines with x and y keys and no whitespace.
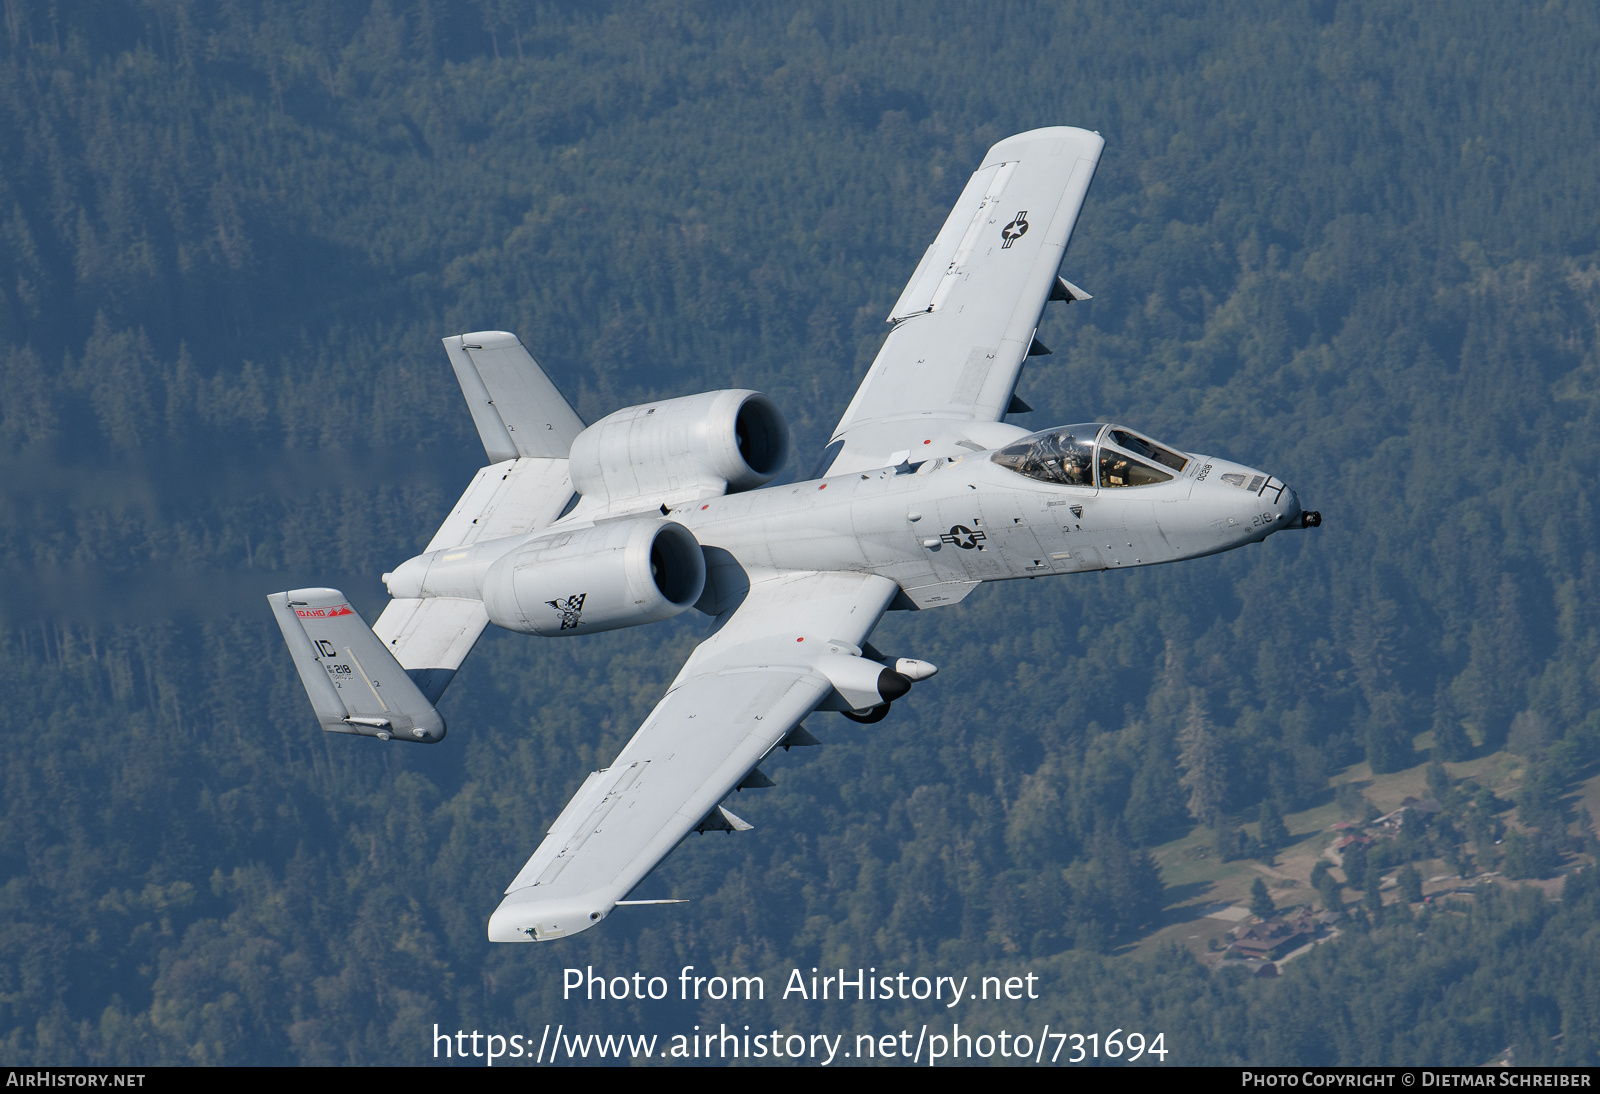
{"x":1091,"y":455}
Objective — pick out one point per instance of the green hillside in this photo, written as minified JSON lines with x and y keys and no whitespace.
{"x":1356,"y":243}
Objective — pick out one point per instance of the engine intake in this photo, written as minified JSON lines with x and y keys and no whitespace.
{"x":680,"y":449}
{"x":617,"y":574}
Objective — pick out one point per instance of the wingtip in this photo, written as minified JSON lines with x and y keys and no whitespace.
{"x":1089,"y":143}
{"x":524,"y":917}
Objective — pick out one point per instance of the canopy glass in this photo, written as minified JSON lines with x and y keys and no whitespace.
{"x":1090,"y":455}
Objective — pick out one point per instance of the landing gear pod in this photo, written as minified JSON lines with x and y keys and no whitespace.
{"x":862,"y":688}
{"x":891,"y":685}
{"x":617,"y":574}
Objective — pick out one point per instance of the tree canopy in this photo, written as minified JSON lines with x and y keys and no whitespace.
{"x":1354,"y":242}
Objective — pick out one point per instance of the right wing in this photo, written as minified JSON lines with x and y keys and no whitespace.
{"x":965,"y":323}
{"x":789,"y":645}
{"x":527,"y":429}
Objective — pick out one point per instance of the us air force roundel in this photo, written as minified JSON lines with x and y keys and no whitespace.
{"x":1015,"y":230}
{"x":963,"y":537}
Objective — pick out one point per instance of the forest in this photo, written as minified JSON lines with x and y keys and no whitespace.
{"x":1353,"y":241}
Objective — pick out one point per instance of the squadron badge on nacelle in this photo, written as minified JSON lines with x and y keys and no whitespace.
{"x":571,"y":609}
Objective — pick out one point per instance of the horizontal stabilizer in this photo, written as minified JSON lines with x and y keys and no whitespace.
{"x":354,"y":682}
{"x":430,"y":638}
{"x":509,"y":498}
{"x":516,"y":408}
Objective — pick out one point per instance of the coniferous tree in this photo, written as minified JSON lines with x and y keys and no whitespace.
{"x":1274,"y":833}
{"x":1352,"y":802}
{"x":1439,"y":784}
{"x":1233,"y":843}
{"x":1410,"y":884}
{"x":1412,"y":840}
{"x":1328,"y":888}
{"x":1388,"y":735}
{"x":1483,"y":829}
{"x":1591,"y":839}
{"x":1355,"y":866}
{"x":186,"y":186}
{"x":1450,"y":740}
{"x":1204,"y":770}
{"x":1530,"y":855}
{"x":1449,"y":844}
{"x":1261,"y":904}
{"x":1372,"y":894}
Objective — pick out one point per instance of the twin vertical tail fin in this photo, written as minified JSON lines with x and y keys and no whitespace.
{"x":383,"y":682}
{"x":354,"y":682}
{"x":518,"y":411}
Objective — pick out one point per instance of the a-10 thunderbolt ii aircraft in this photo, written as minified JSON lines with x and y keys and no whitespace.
{"x":924,"y":492}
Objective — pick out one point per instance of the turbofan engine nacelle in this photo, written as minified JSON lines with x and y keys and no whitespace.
{"x":680,"y":449}
{"x":616,"y":574}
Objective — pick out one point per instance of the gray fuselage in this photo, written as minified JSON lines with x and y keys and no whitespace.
{"x":949,"y":523}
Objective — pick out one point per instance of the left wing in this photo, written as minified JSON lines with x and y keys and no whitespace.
{"x":792,"y":642}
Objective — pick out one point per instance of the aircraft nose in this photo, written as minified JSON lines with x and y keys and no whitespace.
{"x":1278,"y":507}
{"x":1288,"y":508}
{"x":1293,"y":515}
{"x":1259,"y":504}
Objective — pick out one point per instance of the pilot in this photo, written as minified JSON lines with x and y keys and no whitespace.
{"x":1074,"y":463}
{"x":1076,"y":468}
